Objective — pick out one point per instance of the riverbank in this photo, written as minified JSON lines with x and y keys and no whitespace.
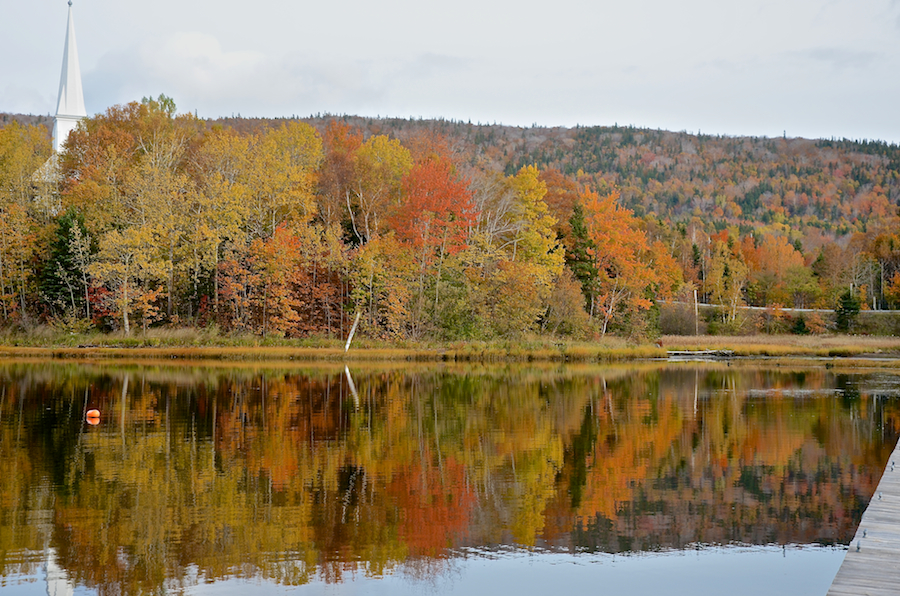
{"x":202,"y":345}
{"x":820,"y":346}
{"x":191,"y":344}
{"x":470,"y":352}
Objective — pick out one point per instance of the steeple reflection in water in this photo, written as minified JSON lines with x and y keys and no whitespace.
{"x":202,"y":478}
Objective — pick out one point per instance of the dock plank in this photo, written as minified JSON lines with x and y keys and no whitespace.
{"x":871,"y":566}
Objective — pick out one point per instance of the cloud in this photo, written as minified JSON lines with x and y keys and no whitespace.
{"x":430,"y":65}
{"x":26,"y":100}
{"x":199,"y":73}
{"x":841,"y":58}
{"x":197,"y":60}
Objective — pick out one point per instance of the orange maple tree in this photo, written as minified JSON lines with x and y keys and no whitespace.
{"x":621,"y":257}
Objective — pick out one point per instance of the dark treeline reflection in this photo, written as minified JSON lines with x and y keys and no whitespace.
{"x":294,"y":475}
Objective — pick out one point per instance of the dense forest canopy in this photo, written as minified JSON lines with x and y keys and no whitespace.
{"x":436,"y":229}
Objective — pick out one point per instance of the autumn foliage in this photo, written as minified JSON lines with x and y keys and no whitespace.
{"x":291,"y":228}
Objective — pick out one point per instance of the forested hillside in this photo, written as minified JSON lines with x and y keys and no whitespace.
{"x":437,"y":229}
{"x":832,"y":185}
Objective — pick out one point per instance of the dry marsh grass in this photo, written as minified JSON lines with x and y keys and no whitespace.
{"x":608,"y":350}
{"x":210,"y":345}
{"x":198,"y":345}
{"x":283,"y":353}
{"x":789,"y":345}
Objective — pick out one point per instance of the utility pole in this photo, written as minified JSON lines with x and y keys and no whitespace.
{"x":696,"y":314}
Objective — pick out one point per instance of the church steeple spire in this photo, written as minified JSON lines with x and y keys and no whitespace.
{"x":70,"y":107}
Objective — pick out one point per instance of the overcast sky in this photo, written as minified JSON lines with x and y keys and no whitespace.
{"x":756,"y":67}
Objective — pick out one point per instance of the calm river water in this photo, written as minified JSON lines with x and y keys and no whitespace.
{"x":435,"y":479}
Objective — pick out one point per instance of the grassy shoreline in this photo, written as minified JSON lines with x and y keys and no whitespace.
{"x":202,"y":345}
{"x":821,"y":346}
{"x":450,"y":353}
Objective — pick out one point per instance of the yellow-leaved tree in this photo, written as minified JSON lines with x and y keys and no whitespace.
{"x":220,"y":206}
{"x":513,"y":257}
{"x":279,"y":177}
{"x":23,"y":149}
{"x":379,"y":167}
{"x":726,"y":277}
{"x":127,"y":267}
{"x":383,"y":274}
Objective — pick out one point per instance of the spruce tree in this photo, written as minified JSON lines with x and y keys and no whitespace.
{"x":846,"y":311}
{"x":579,"y":257}
{"x":63,"y":279}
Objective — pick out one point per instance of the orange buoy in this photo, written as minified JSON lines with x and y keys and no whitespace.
{"x":93,"y":417}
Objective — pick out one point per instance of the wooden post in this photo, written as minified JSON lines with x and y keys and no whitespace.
{"x":352,"y":331}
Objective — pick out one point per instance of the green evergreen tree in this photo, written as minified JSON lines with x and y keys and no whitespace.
{"x":697,"y":259}
{"x":64,"y":280}
{"x":846,"y":311}
{"x":579,"y":258}
{"x":799,"y":327}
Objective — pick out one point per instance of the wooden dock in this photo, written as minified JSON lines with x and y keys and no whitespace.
{"x":872,"y":563}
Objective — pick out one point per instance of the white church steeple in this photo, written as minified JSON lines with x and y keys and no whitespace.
{"x":70,"y":108}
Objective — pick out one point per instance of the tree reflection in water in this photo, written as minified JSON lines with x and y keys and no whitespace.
{"x":281,"y":474}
